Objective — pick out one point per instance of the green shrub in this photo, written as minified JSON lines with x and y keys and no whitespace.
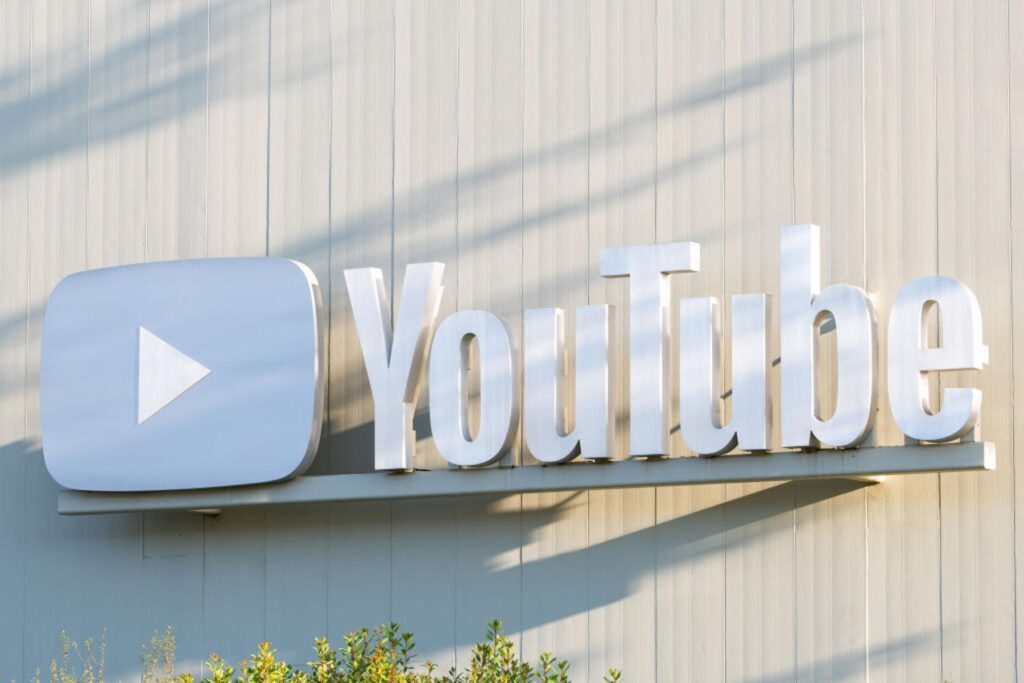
{"x":158,"y":658}
{"x":384,"y":655}
{"x":78,"y":663}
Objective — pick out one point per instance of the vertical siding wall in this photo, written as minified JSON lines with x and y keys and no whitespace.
{"x":512,"y":141}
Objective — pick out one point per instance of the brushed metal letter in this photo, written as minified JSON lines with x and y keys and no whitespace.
{"x":647,"y":268}
{"x":700,"y":400}
{"x":499,"y":388}
{"x":544,"y":412}
{"x":909,"y":360}
{"x":803,"y":305}
{"x":394,"y":362}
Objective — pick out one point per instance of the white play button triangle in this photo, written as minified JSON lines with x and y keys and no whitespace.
{"x":165,"y":373}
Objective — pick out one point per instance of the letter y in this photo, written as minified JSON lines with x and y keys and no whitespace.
{"x":395,"y":361}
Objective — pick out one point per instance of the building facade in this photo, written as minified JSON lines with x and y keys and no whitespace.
{"x":513,"y":141}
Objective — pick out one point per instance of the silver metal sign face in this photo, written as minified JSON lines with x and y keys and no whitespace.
{"x":182,"y":375}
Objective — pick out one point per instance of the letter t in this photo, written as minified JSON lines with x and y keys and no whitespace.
{"x":648,"y":268}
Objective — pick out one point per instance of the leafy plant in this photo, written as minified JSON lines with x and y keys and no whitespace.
{"x":78,"y":663}
{"x":265,"y":667}
{"x":383,"y":655}
{"x":496,"y":660}
{"x":158,"y":658}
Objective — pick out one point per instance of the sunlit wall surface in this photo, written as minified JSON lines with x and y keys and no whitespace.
{"x":513,"y":141}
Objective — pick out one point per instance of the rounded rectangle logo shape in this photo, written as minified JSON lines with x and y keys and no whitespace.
{"x":182,"y":375}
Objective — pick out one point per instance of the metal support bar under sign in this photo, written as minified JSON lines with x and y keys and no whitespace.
{"x":860,"y":464}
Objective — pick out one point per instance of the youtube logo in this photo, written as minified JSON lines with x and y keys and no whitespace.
{"x":182,"y":375}
{"x":164,"y":373}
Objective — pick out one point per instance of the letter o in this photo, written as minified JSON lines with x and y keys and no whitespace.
{"x":499,"y":388}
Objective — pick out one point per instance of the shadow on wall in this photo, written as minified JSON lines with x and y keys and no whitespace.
{"x":676,"y":542}
{"x":163,"y":71}
{"x":168,"y":69}
{"x":608,"y":570}
{"x":371,"y":227}
{"x":851,"y":665}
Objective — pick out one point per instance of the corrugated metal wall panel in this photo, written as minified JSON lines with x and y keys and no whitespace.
{"x":513,"y":142}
